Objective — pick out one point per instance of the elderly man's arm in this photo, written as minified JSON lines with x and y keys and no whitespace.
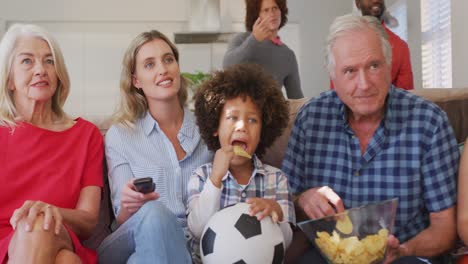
{"x":438,"y":238}
{"x":435,"y":240}
{"x":439,"y":169}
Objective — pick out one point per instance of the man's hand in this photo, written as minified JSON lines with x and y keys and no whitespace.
{"x":319,"y":202}
{"x":261,"y":30}
{"x":395,"y":250}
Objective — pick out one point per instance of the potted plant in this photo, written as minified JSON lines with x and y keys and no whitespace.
{"x":194,"y":80}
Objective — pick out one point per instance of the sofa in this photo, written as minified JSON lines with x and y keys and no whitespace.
{"x":454,"y":101}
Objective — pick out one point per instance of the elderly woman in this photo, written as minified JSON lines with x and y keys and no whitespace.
{"x":262,"y":45}
{"x":154,"y":136}
{"x":51,"y":164}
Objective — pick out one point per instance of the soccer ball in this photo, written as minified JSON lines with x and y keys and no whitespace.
{"x":233,"y":236}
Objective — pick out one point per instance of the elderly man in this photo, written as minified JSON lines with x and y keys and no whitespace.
{"x":401,"y":74}
{"x":367,"y":141}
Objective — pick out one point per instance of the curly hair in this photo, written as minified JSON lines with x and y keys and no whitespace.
{"x":252,"y":11}
{"x":244,"y":80}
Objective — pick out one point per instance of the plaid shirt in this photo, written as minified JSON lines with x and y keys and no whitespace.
{"x":413,"y":155}
{"x":266,"y":182}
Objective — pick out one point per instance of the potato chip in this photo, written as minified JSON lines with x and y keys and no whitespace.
{"x":351,"y":250}
{"x":344,"y":225}
{"x":239,"y":151}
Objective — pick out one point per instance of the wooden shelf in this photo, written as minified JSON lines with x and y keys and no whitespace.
{"x":202,"y":37}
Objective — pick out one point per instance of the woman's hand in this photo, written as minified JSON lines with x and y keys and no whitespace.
{"x":261,"y":30}
{"x":132,"y":200}
{"x":222,"y":159}
{"x":265,"y":207}
{"x":31,"y":209}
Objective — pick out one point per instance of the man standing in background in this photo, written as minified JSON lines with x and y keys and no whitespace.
{"x":402,"y":75}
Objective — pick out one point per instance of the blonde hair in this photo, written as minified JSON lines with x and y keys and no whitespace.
{"x":8,"y":112}
{"x":133,"y":104}
{"x":349,"y":23}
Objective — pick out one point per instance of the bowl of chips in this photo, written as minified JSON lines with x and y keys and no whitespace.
{"x":357,"y":235}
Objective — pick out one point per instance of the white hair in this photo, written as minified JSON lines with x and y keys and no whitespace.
{"x":8,"y":113}
{"x":351,"y":23}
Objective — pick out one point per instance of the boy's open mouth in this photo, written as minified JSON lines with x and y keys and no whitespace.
{"x":239,"y":143}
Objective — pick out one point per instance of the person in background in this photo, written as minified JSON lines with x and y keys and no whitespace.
{"x":240,"y":107}
{"x":154,"y":136}
{"x":401,"y":73}
{"x":367,"y":141}
{"x":51,"y":164}
{"x":262,"y":45}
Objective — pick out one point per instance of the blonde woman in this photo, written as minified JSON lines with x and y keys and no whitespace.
{"x":51,"y":164}
{"x":154,"y":136}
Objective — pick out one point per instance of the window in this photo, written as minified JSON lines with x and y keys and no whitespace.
{"x":396,"y":19}
{"x":436,"y":43}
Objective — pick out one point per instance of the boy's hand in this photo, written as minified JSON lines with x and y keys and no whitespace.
{"x":222,"y":159}
{"x":265,"y":207}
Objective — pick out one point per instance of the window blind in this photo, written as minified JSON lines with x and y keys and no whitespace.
{"x":436,"y":43}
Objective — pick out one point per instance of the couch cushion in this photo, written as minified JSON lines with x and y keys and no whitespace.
{"x":274,"y":154}
{"x":102,"y":123}
{"x":454,"y":101}
{"x":106,"y":216}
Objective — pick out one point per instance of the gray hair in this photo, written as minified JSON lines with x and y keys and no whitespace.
{"x":8,"y":112}
{"x":349,"y":23}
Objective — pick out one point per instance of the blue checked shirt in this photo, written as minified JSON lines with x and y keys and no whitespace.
{"x":413,"y":155}
{"x":266,"y":182}
{"x":145,"y":151}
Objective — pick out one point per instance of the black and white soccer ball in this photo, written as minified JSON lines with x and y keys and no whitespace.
{"x":233,"y":236}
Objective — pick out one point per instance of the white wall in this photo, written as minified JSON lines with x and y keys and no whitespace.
{"x":459,"y":43}
{"x":414,"y":40}
{"x":93,"y":36}
{"x":93,"y":33}
{"x":94,"y":10}
{"x":315,"y":18}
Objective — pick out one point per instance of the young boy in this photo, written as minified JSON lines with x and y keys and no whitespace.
{"x":240,"y":112}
